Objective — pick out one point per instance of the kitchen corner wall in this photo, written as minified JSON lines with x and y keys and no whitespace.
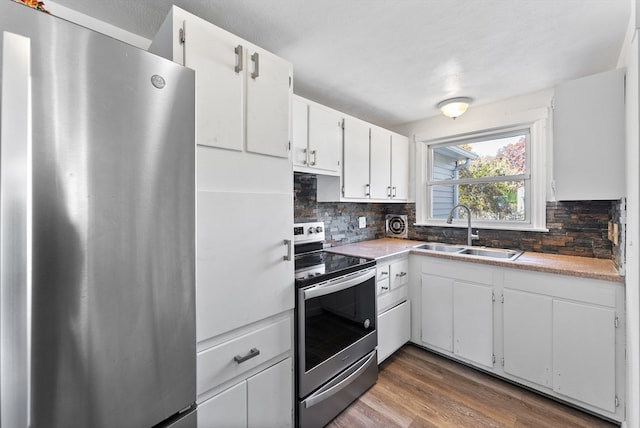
{"x":578,"y":228}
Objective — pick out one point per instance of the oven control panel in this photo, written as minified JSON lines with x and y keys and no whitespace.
{"x":308,"y":232}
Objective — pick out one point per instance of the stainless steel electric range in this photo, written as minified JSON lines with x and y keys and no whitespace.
{"x":335,"y":327}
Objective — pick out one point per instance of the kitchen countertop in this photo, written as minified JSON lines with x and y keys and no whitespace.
{"x":585,"y":267}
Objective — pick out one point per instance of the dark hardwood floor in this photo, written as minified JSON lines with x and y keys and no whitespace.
{"x":417,"y":388}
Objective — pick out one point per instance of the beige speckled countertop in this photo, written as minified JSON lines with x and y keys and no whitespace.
{"x":585,"y":267}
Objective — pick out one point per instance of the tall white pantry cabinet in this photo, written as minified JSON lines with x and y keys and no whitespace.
{"x":244,"y":273}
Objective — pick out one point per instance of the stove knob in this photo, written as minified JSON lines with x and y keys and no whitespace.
{"x":311,"y":230}
{"x":319,"y":229}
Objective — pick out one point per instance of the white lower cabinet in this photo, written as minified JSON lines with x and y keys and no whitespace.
{"x":246,"y":379}
{"x":527,"y":333}
{"x":394,"y":329}
{"x":561,"y":335}
{"x":394,"y":310}
{"x":261,"y":401}
{"x":584,"y":362}
{"x":457,"y":310}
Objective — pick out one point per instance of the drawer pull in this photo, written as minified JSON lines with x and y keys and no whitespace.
{"x":254,"y":352}
{"x":401,"y":274}
{"x":385,"y":287}
{"x":384,"y":273}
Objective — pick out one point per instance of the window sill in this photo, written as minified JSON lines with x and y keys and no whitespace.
{"x":462,"y":224}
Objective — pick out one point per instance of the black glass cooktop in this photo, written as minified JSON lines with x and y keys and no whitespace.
{"x":320,"y":266}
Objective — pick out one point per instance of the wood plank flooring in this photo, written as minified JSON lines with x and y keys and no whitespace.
{"x":417,"y":388}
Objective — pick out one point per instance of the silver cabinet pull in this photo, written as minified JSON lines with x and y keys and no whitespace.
{"x":384,"y":272}
{"x":313,"y":153}
{"x":287,"y":242}
{"x":394,"y":192}
{"x":254,"y":352}
{"x":256,"y":65}
{"x":385,"y":287}
{"x":401,"y":274}
{"x":306,"y":156}
{"x":389,"y":191}
{"x":367,"y":189}
{"x":239,"y":54}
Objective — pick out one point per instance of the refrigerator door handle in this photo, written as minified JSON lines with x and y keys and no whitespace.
{"x":15,"y":225}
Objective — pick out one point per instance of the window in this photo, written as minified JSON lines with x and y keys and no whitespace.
{"x":499,"y":174}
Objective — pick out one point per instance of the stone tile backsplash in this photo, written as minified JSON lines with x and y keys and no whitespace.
{"x":577,"y":228}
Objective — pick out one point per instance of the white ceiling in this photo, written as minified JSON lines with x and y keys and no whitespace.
{"x":392,"y":61}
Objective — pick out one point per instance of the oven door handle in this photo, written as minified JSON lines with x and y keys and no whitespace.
{"x":323,"y":290}
{"x":334,"y":389}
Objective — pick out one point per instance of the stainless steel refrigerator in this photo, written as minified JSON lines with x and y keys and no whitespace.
{"x":97,"y":243}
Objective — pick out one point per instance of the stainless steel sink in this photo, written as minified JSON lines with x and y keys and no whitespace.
{"x":440,"y":247}
{"x":493,"y":253}
{"x":496,"y":253}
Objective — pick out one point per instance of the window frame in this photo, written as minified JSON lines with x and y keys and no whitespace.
{"x":535,"y":124}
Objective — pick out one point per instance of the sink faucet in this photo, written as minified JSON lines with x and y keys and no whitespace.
{"x":470,"y":236}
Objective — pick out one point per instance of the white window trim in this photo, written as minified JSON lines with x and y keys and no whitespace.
{"x":534,"y":120}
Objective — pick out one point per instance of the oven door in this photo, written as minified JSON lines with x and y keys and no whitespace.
{"x":336,"y":327}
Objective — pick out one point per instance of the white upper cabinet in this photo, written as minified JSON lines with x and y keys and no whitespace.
{"x":380,"y":163}
{"x":399,"y":167}
{"x":589,"y":138}
{"x":356,"y":155}
{"x":243,"y":92}
{"x":317,"y":138}
{"x":375,"y":166}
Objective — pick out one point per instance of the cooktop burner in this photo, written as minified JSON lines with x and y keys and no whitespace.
{"x":312,"y":264}
{"x":311,"y":268}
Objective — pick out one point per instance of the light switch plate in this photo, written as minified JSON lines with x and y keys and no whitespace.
{"x":362,"y":222}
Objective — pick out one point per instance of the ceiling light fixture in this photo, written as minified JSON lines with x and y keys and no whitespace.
{"x":454,"y":107}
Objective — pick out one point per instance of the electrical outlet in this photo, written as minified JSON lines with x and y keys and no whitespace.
{"x":362,"y":222}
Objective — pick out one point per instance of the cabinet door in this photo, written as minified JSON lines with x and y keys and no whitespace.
{"x":589,"y":136}
{"x":584,"y":353}
{"x":257,"y":282}
{"x":356,"y":159}
{"x":399,"y":167}
{"x":473,"y":322}
{"x":380,"y":166}
{"x":226,"y":410}
{"x":325,"y":136}
{"x":437,"y":311}
{"x":268,"y":103}
{"x":270,"y":397}
{"x":300,"y":131}
{"x":394,"y":329}
{"x":527,"y":321}
{"x":211,"y":51}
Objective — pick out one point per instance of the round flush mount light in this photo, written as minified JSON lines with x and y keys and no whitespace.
{"x":454,"y":107}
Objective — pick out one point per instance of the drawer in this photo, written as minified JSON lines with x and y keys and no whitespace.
{"x":382,"y":286}
{"x":382,"y":272}
{"x":217,"y":364}
{"x":392,"y":298}
{"x":399,"y":273}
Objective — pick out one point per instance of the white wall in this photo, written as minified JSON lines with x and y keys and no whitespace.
{"x":97,"y":25}
{"x":629,"y":58}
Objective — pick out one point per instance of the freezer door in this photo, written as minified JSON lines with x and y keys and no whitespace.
{"x":111,"y":231}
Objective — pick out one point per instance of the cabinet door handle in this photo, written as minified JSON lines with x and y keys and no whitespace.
{"x":367,"y":189}
{"x":256,"y":65}
{"x":313,"y":153}
{"x":254,"y":352}
{"x":401,"y":274}
{"x":306,"y":157}
{"x":394,"y":192}
{"x":389,"y":191}
{"x":239,"y":58}
{"x":287,"y":257}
